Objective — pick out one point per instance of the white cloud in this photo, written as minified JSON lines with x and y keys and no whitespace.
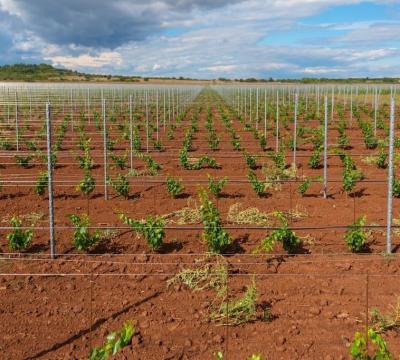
{"x":321,"y":70}
{"x":220,"y":68}
{"x":372,"y":32}
{"x":215,"y":37}
{"x":86,"y":60}
{"x":11,"y":7}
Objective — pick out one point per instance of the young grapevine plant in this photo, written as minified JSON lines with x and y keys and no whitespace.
{"x":23,"y":161}
{"x":360,"y":351}
{"x":304,"y":185}
{"x":257,"y":185}
{"x":87,"y":184}
{"x":120,"y":185}
{"x":290,"y":241}
{"x":370,"y":141}
{"x":42,"y":183}
{"x":215,"y":186}
{"x":250,"y":160}
{"x":396,"y":187}
{"x":350,"y":173}
{"x":115,"y":341}
{"x":85,"y":161}
{"x":214,"y":235}
{"x":279,"y":159}
{"x":174,"y":186}
{"x":119,"y":161}
{"x":381,"y":159}
{"x":315,"y":159}
{"x":204,"y":161}
{"x":82,"y":239}
{"x":151,"y":228}
{"x":263,"y":142}
{"x":19,"y":239}
{"x":152,"y":166}
{"x":356,"y":236}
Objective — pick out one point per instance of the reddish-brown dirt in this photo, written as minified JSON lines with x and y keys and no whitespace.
{"x":60,"y":309}
{"x":317,"y":304}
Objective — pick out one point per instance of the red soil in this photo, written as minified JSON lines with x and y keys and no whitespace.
{"x":60,"y":309}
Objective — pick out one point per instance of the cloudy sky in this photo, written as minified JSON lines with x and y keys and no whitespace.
{"x":205,"y":38}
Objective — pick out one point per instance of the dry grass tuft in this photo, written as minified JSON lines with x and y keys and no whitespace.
{"x":250,"y":216}
{"x":190,"y":214}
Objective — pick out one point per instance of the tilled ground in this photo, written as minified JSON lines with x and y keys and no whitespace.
{"x":69,"y":305}
{"x":60,"y":309}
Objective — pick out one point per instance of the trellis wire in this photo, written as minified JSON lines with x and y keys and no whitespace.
{"x":175,"y":104}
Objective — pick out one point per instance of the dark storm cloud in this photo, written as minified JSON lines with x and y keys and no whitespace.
{"x":103,"y":23}
{"x":87,"y":23}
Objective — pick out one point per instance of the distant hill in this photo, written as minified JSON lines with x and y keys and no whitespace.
{"x":45,"y":72}
{"x":31,"y":72}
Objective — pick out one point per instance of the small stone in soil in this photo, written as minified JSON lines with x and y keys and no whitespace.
{"x":218,"y":339}
{"x":281,"y":340}
{"x":188,"y":343}
{"x":144,"y":325}
{"x":315,"y":311}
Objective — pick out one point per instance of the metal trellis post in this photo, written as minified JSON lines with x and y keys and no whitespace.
{"x":50,"y":181}
{"x":105,"y":148}
{"x":390,"y":181}
{"x":326,"y":147}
